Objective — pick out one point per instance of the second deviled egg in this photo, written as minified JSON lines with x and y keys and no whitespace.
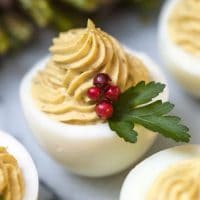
{"x":172,"y":174}
{"x":18,"y":175}
{"x":179,"y":42}
{"x":77,"y":100}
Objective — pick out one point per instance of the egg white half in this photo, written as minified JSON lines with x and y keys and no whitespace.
{"x":141,"y":178}
{"x":89,"y":150}
{"x":25,"y":163}
{"x":184,"y":66}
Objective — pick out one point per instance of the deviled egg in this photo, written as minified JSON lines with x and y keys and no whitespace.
{"x":18,"y":175}
{"x":179,"y":42}
{"x":172,"y":174}
{"x":63,"y":119}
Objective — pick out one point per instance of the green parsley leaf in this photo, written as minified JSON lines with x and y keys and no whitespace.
{"x":135,"y":106}
{"x":124,"y":129}
{"x":137,"y":95}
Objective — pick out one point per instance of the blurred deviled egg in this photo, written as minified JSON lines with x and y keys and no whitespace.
{"x":172,"y":174}
{"x":179,"y":42}
{"x":81,"y":99}
{"x":18,"y":175}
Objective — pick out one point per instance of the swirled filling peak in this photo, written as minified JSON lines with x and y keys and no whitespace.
{"x":178,"y":182}
{"x":184,"y":25}
{"x":76,"y":57}
{"x":11,"y":179}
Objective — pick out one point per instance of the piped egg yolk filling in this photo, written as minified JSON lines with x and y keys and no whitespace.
{"x":179,"y":182}
{"x":77,"y":56}
{"x":11,"y":178}
{"x":184,"y":25}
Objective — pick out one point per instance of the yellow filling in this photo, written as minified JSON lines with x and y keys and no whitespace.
{"x":184,"y":25}
{"x":11,"y":179}
{"x":178,"y":182}
{"x":77,"y":56}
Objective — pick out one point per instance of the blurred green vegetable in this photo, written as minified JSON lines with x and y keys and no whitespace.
{"x":18,"y":29}
{"x":145,"y":5}
{"x":39,"y":10}
{"x":4,"y":41}
{"x":89,"y":5}
{"x":20,"y":18}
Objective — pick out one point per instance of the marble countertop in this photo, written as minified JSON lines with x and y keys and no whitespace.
{"x":55,"y":182}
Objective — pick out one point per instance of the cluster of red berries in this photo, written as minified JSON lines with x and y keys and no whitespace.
{"x":104,"y":94}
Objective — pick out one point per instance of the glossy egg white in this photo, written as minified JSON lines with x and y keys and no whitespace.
{"x":184,"y":66}
{"x":25,"y":162}
{"x":88,"y":150}
{"x":141,"y":178}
